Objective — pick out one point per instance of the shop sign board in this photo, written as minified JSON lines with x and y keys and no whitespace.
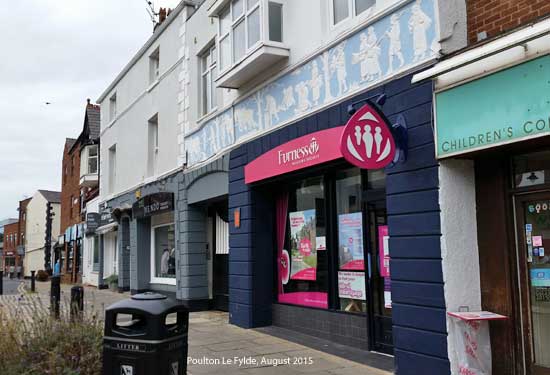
{"x":153,"y":204}
{"x":93,"y":220}
{"x":302,"y":152}
{"x":106,"y":217}
{"x":367,"y":141}
{"x":352,"y":285}
{"x":509,"y":106}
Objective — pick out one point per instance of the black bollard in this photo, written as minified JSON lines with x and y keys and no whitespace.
{"x":1,"y":282}
{"x":77,"y":302}
{"x":55,"y":296}
{"x":33,"y":285}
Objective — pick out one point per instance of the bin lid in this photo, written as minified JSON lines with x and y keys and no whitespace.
{"x":148,"y":296}
{"x":149,"y":303}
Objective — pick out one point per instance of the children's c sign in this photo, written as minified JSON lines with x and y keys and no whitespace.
{"x":367,"y":141}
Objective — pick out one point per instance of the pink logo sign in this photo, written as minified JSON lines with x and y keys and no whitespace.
{"x":305,"y":247}
{"x":367,"y":141}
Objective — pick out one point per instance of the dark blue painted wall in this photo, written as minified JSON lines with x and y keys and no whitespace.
{"x":420,"y":335}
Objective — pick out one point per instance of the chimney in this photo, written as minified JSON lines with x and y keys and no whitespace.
{"x":88,"y":100}
{"x":162,"y":15}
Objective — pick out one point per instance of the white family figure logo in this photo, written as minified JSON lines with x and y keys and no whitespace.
{"x":367,"y":141}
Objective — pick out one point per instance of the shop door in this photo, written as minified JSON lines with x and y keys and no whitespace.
{"x":533,"y":227}
{"x":220,"y":285}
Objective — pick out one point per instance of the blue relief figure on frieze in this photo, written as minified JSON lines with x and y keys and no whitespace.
{"x":388,"y":46}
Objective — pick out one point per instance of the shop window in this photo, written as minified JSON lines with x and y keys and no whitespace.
{"x":351,"y":249}
{"x":332,"y":242}
{"x":163,"y":252}
{"x":303,"y":259}
{"x":531,"y":169}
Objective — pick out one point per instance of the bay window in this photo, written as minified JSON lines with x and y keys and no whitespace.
{"x":250,"y":31}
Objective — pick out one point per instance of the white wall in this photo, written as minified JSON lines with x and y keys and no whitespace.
{"x":88,"y":275}
{"x":109,"y":254}
{"x":459,"y":249}
{"x":137,"y":102}
{"x":35,"y":229}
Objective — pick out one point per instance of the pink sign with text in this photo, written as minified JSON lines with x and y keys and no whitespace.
{"x":384,"y":250}
{"x":303,"y":152}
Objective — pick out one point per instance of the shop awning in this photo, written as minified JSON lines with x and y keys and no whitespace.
{"x":518,"y":46}
{"x":107,"y":228}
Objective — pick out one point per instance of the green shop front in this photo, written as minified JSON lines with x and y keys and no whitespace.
{"x":492,"y":141}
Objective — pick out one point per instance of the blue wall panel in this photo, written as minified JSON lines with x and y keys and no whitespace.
{"x":413,"y":217}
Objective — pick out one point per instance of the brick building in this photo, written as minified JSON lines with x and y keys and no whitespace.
{"x":21,"y":226}
{"x":492,"y":135}
{"x":78,"y":185}
{"x":488,"y":19}
{"x":11,"y":241}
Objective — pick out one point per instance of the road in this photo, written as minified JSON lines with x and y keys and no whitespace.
{"x":10,"y":286}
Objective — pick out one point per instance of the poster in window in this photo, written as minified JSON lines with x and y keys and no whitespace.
{"x":303,"y":250}
{"x":384,"y":250}
{"x":351,"y":285}
{"x":350,"y":241}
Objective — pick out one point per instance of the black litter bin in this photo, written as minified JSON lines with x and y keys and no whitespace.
{"x":145,"y":335}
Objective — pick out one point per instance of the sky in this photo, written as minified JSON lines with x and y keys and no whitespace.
{"x":62,"y":52}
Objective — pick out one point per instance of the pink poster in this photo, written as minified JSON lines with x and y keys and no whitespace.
{"x":384,"y":250}
{"x":350,"y":241}
{"x":303,"y":250}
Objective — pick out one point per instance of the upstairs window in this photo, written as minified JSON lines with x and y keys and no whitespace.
{"x":153,"y":150}
{"x":112,"y":169}
{"x":344,"y":9}
{"x":208,"y":76}
{"x":92,"y":159}
{"x":112,"y":107}
{"x":241,"y":28}
{"x":154,"y":64}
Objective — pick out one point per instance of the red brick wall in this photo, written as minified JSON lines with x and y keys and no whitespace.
{"x":11,"y":230}
{"x":498,"y":16}
{"x":22,"y":219}
{"x":70,"y":190}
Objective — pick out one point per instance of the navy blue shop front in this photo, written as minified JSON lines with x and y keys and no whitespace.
{"x":418,"y":305}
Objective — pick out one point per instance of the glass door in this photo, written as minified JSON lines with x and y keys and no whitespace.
{"x":534,"y":264}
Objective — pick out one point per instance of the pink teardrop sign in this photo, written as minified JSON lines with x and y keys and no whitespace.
{"x":366,"y":141}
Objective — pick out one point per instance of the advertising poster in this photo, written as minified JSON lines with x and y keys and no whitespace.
{"x":350,"y":241}
{"x":352,"y":285}
{"x":540,"y":277}
{"x":384,"y":250}
{"x":303,"y":250}
{"x":387,"y":293}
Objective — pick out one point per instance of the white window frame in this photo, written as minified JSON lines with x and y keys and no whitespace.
{"x":154,"y":279}
{"x":211,"y":103}
{"x":112,"y":107}
{"x":153,"y":145}
{"x":351,"y":14}
{"x":154,"y":66}
{"x":89,"y":157}
{"x":261,"y":4}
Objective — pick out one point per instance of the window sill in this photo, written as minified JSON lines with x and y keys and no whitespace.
{"x":253,"y":64}
{"x":153,"y":85}
{"x":207,"y":116}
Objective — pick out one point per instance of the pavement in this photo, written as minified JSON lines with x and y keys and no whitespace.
{"x":10,"y":285}
{"x":215,"y":346}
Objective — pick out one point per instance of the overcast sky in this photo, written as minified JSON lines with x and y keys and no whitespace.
{"x":58,"y":51}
